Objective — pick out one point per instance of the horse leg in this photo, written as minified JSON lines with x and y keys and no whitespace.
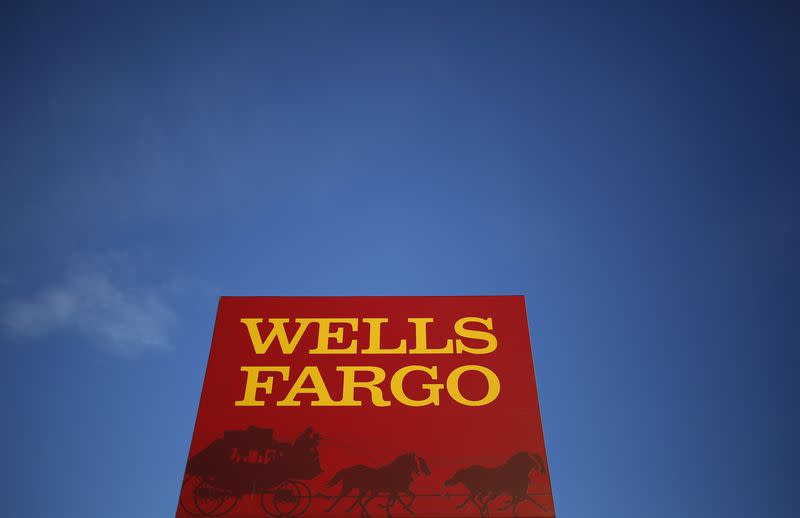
{"x":515,"y":501}
{"x":371,"y":496}
{"x":485,"y":505}
{"x":408,"y":505}
{"x":465,"y":502}
{"x":363,"y":504}
{"x":357,"y":500}
{"x":345,"y":491}
{"x":511,"y":502}
{"x":540,"y":506}
{"x":410,"y":502}
{"x":475,"y":499}
{"x":391,"y":498}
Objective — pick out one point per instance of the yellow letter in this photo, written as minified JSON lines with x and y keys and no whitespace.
{"x":433,"y":388}
{"x":278,"y":329}
{"x":491,"y":379}
{"x":489,"y":338}
{"x":252,"y":384}
{"x":349,"y":384}
{"x":375,"y":338}
{"x":421,"y":345}
{"x":325,"y":335}
{"x":318,"y":388}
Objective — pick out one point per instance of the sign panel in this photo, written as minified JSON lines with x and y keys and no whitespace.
{"x":365,"y":406}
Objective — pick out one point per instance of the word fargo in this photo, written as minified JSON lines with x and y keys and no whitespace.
{"x":365,"y":406}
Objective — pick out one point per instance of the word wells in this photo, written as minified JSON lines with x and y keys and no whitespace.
{"x":382,"y":381}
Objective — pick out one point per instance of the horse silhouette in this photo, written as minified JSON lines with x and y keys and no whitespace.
{"x":392,"y":480}
{"x":486,"y":484}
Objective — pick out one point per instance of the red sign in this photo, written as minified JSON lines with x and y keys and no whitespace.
{"x":365,"y":406}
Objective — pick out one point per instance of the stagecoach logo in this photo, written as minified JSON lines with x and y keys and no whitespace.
{"x":357,"y":406}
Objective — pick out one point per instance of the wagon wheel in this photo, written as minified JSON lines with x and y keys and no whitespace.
{"x":228,"y":504}
{"x":190,"y":485}
{"x":213,"y":501}
{"x":288,"y":499}
{"x":199,"y":498}
{"x":305,"y":497}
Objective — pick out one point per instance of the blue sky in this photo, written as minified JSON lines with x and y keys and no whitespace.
{"x":632,"y":171}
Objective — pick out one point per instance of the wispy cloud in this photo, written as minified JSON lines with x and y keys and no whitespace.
{"x":93,"y":303}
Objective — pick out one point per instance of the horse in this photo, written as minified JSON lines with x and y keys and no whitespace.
{"x":485,"y":484}
{"x":392,"y":480}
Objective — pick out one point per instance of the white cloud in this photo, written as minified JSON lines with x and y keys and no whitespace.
{"x":124,"y":321}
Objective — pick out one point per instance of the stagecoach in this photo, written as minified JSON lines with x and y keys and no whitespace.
{"x":251,"y":462}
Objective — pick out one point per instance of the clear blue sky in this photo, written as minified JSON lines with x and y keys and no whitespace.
{"x":632,"y":171}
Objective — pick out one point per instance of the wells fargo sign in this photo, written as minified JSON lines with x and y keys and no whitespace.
{"x":360,"y":406}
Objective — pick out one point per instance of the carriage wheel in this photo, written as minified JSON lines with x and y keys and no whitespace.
{"x":305,"y":496}
{"x":227,"y":506}
{"x":289,"y":499}
{"x":213,"y":501}
{"x":199,"y":498}
{"x":190,"y":485}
